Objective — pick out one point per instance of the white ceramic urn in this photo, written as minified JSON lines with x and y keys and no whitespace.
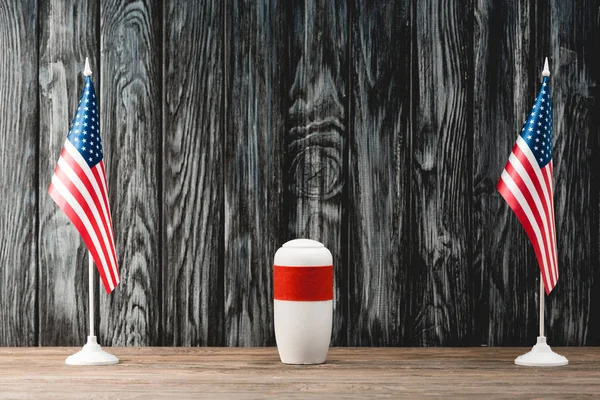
{"x":303,"y":301}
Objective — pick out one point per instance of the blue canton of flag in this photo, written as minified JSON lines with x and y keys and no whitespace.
{"x":85,"y":130}
{"x":537,"y":131}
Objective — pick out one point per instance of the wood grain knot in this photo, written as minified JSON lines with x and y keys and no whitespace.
{"x":317,"y":167}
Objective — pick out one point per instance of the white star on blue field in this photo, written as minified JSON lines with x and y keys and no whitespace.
{"x":85,"y":130}
{"x":537,"y":131}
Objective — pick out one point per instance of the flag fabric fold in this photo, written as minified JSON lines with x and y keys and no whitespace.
{"x":527,"y":185}
{"x":79,"y":187}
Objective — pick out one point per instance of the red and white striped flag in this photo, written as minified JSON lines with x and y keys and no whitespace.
{"x":527,"y":184}
{"x":79,"y":187}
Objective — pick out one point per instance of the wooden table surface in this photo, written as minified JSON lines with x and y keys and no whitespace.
{"x":257,"y":373}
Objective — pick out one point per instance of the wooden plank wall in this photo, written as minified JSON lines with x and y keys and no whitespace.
{"x":19,"y":222}
{"x":505,"y":76}
{"x":377,"y":127}
{"x":62,"y":289}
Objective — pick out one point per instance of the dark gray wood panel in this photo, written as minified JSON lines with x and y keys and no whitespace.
{"x":572,"y":311}
{"x":192,"y":174}
{"x":506,"y":272}
{"x":18,"y":180}
{"x":68,"y":34}
{"x":254,"y":149}
{"x":315,"y":172}
{"x":440,"y":265}
{"x":377,"y":127}
{"x":379,"y":174}
{"x":130,"y":109}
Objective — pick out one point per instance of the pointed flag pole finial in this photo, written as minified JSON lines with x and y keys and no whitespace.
{"x":87,"y":70}
{"x":546,"y":71}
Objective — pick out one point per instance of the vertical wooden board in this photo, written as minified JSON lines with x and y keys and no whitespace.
{"x":440,"y":266}
{"x":572,"y":310}
{"x":592,"y":334}
{"x":192,"y":174}
{"x":379,"y":173}
{"x":18,"y":151}
{"x":254,"y":147}
{"x":68,"y":34}
{"x":506,"y":272}
{"x":130,"y":109}
{"x":316,"y":75}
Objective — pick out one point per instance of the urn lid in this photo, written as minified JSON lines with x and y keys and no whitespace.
{"x":303,"y":243}
{"x":303,"y":253}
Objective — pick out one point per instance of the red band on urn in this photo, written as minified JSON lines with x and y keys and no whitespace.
{"x":303,"y":283}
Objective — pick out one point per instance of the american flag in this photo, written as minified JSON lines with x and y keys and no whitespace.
{"x":527,"y":185}
{"x":79,"y":187}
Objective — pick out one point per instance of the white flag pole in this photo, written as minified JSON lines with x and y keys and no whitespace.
{"x":541,"y":355}
{"x":541,"y":306}
{"x":91,"y":281}
{"x":545,"y":72}
{"x":92,"y":353}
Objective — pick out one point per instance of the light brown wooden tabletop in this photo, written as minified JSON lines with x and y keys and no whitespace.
{"x":257,"y":373}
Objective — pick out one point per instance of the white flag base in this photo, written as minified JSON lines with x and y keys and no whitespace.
{"x":92,"y":354}
{"x":541,"y":355}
